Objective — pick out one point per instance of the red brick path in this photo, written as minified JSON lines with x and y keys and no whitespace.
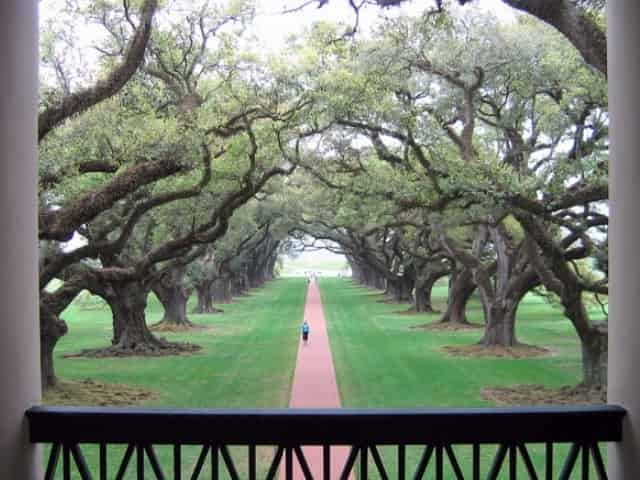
{"x":314,"y":384}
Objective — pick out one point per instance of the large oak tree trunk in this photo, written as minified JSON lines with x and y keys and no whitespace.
{"x":239,"y":285}
{"x":204,"y":295}
{"x":593,"y":338}
{"x":500,"y":321}
{"x":253,"y":278}
{"x":175,"y":307}
{"x":356,"y":272}
{"x":501,"y":308}
{"x":502,"y":292}
{"x":270,"y":272}
{"x":245,"y":284}
{"x":365,"y":276}
{"x":127,"y":300}
{"x":401,"y":289}
{"x":130,"y":331}
{"x":557,"y":276}
{"x":461,"y":287}
{"x":594,"y":357}
{"x":422,"y":299}
{"x":376,"y":280}
{"x":371,"y":278}
{"x":52,"y":328}
{"x":423,"y":291}
{"x":173,"y":296}
{"x":221,"y":290}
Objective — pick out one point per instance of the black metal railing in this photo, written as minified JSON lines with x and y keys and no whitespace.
{"x":506,"y":432}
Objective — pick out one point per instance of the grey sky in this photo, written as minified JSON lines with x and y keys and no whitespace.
{"x":272,"y":28}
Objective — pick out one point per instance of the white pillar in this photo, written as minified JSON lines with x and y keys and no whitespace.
{"x":624,"y":230}
{"x":19,"y":339}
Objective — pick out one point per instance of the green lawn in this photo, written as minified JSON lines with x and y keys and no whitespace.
{"x":247,"y":359}
{"x":382,"y":362}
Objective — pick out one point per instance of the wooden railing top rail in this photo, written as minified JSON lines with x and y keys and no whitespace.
{"x":325,"y":426}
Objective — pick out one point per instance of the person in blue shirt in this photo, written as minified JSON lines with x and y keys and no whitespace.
{"x":305,"y":332}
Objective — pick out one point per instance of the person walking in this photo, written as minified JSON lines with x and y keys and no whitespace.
{"x":305,"y":332}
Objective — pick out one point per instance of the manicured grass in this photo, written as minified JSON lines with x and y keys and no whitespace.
{"x":249,"y":352}
{"x":247,"y":358}
{"x":381,"y":362}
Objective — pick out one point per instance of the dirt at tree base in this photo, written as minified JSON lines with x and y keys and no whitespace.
{"x":142,"y":350}
{"x":448,"y":326}
{"x":482,"y":351}
{"x":413,"y":311}
{"x":391,"y":301}
{"x":175,"y":328}
{"x":212,"y":311}
{"x":525,"y":395}
{"x":93,"y":393}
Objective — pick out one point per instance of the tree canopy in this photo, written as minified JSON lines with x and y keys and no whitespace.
{"x":184,"y":159}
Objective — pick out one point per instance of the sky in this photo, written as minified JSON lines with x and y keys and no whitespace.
{"x":273,"y":27}
{"x":322,"y":262}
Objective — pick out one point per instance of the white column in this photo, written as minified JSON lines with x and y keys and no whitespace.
{"x":19,"y":339}
{"x":624,"y":230}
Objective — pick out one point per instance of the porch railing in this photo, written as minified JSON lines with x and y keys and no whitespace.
{"x":507,"y":433}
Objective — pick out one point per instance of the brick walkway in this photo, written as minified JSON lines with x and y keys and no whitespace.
{"x":314,"y":384}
